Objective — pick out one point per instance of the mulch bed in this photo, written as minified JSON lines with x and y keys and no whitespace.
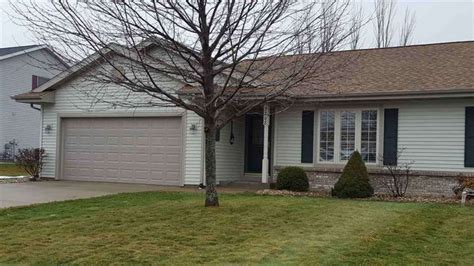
{"x":293,"y":193}
{"x":319,"y":194}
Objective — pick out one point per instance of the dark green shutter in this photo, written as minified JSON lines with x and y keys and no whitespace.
{"x":390,"y":137}
{"x":469,"y":138}
{"x":218,"y":134}
{"x":307,"y":133}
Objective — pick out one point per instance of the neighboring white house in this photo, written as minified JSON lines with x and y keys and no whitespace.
{"x":22,"y":68}
{"x":419,"y":99}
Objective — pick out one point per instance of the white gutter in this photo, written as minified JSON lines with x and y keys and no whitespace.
{"x":387,"y":97}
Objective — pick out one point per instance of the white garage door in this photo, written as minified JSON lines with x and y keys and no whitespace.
{"x":129,"y":150}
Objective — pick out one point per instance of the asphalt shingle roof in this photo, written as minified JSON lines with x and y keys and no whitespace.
{"x":398,"y":70}
{"x":424,"y":69}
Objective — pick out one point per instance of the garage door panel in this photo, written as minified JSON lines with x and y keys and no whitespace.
{"x":143,"y":140}
{"x":111,"y":172}
{"x":135,"y":150}
{"x":142,"y":160}
{"x":99,"y":140}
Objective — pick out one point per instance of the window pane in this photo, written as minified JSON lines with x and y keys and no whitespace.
{"x":347,"y":134}
{"x":369,"y":136}
{"x":326,"y":139}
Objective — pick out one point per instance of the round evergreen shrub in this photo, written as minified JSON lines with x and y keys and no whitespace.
{"x":354,"y":180}
{"x":293,"y":179}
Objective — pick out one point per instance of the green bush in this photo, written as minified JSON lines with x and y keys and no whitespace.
{"x":354,"y":180}
{"x":293,"y":179}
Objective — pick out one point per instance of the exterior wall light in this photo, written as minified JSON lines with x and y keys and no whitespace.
{"x":48,"y":129}
{"x":232,"y":137}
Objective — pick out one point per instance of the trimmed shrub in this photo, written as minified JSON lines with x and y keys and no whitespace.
{"x":354,"y":180}
{"x":293,"y":179}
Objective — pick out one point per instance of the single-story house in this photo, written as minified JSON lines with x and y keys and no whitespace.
{"x":417,"y":99}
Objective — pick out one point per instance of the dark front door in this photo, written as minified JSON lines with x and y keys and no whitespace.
{"x":253,"y":143}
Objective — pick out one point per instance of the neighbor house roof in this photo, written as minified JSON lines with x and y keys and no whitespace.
{"x":8,"y":52}
{"x":16,"y":49}
{"x":430,"y":69}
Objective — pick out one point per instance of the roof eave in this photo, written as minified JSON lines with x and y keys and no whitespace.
{"x":29,"y":98}
{"x":463,"y":93}
{"x":389,"y":96}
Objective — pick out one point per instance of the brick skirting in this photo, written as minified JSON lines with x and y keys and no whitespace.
{"x":421,"y":183}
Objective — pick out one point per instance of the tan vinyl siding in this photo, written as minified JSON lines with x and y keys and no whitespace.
{"x":230,"y":158}
{"x":193,"y":148}
{"x":431,"y":134}
{"x":287,"y":149}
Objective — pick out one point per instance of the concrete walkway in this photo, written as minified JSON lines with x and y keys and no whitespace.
{"x":21,"y":194}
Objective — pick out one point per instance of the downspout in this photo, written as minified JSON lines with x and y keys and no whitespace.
{"x":33,"y":106}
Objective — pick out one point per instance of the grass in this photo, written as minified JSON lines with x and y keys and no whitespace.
{"x":10,"y":169}
{"x":174,"y":228}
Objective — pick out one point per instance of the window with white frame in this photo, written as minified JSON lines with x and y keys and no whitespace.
{"x":326,"y":135}
{"x":341,"y":132}
{"x":368,"y":144}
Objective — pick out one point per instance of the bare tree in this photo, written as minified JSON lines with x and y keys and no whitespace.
{"x":408,"y":28}
{"x":385,"y":27}
{"x":357,"y":22}
{"x":384,"y":19}
{"x":226,"y":52}
{"x":327,"y":33}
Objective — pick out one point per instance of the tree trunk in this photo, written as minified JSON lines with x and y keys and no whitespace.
{"x":212,"y":199}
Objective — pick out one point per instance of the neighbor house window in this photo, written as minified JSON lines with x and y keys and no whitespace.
{"x":345,"y":131}
{"x":37,"y":81}
{"x":368,"y":145}
{"x":326,"y":136}
{"x":348,"y":122}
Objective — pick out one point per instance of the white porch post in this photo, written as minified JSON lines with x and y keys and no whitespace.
{"x":266,"y":125}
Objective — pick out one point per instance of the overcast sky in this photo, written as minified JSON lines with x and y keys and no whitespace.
{"x":436,"y":21}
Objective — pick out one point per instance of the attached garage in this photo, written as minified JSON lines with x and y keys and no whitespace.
{"x":145,"y":150}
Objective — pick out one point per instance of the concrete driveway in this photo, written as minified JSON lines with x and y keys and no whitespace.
{"x":20,"y":194}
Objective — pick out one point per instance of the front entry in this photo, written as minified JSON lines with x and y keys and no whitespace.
{"x":253,"y":143}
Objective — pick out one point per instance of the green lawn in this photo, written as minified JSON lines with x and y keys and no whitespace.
{"x":174,"y":228}
{"x":9,"y":169}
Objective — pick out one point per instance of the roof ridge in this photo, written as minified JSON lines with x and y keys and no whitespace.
{"x":376,"y":48}
{"x":408,"y":46}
